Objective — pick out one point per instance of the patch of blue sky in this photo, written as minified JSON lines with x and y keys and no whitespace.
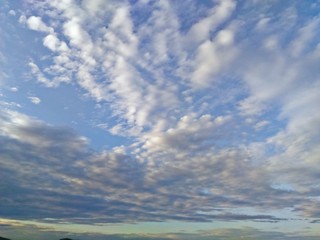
{"x":279,"y":18}
{"x":11,"y":44}
{"x":140,"y":13}
{"x":69,"y":107}
{"x":189,"y":12}
{"x":304,"y":9}
{"x":221,"y":97}
{"x":273,"y":124}
{"x":19,"y":45}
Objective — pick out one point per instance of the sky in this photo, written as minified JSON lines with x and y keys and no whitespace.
{"x":159,"y":120}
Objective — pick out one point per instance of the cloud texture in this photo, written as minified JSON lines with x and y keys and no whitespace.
{"x":218,"y":102}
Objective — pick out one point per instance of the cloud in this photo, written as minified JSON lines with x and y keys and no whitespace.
{"x":251,"y":106}
{"x":14,"y":89}
{"x":36,"y":232}
{"x":218,"y":112}
{"x":200,"y":31}
{"x":120,"y":46}
{"x":189,"y":135}
{"x":35,"y":100}
{"x":12,"y":12}
{"x":36,"y":23}
{"x":305,"y":36}
{"x":37,"y":146}
{"x":54,"y":44}
{"x":35,"y":70}
{"x":59,"y":177}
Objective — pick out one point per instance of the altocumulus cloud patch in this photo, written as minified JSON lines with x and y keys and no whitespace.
{"x":203,"y":111}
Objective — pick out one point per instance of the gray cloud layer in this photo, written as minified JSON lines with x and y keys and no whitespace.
{"x":50,"y":172}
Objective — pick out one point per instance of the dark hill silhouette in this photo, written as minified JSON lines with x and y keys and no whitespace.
{"x":2,"y":238}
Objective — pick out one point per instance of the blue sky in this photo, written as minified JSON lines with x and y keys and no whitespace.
{"x":159,"y":119}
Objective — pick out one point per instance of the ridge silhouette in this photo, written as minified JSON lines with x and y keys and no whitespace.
{"x":2,"y":238}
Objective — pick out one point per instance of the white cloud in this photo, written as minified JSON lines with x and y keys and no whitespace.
{"x":297,"y":145}
{"x":137,"y":96}
{"x":98,"y":7}
{"x":251,"y":106}
{"x":22,"y":19}
{"x":261,"y":124}
{"x":190,"y":136}
{"x":305,"y":35}
{"x":87,"y":82}
{"x":271,"y":43}
{"x":200,"y":31}
{"x":262,"y":23}
{"x":213,"y":57}
{"x":36,"y":23}
{"x":225,"y":37}
{"x":208,"y":63}
{"x":78,"y":37}
{"x":12,"y":12}
{"x":35,"y":70}
{"x":54,"y":44}
{"x":35,"y":100}
{"x":164,"y":36}
{"x":6,"y":104}
{"x":14,"y":89}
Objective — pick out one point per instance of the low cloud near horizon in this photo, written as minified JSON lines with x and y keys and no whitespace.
{"x":14,"y":231}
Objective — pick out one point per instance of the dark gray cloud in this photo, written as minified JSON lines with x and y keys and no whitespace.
{"x":50,"y":172}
